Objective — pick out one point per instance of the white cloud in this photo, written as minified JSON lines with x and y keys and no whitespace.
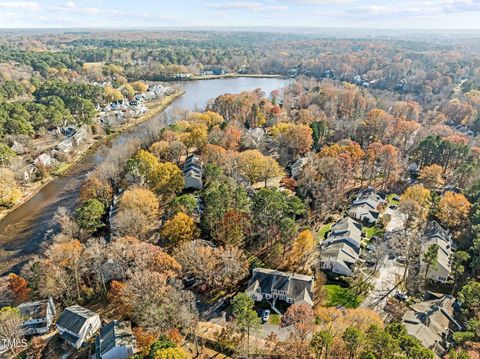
{"x":245,"y":5}
{"x":20,"y":5}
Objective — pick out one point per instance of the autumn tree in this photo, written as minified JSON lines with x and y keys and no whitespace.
{"x":431,"y":176}
{"x":231,"y":138}
{"x":303,"y":245}
{"x":218,"y":267}
{"x":179,"y":229}
{"x":301,"y":318}
{"x":9,"y":190}
{"x":142,"y":200}
{"x":453,"y":209}
{"x":415,"y":204}
{"x":233,"y":227}
{"x":257,"y":167}
{"x":18,"y":288}
{"x":95,"y":188}
{"x":164,"y":178}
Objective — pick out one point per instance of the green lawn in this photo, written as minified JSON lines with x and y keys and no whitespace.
{"x":369,"y":232}
{"x":275,"y":319}
{"x":390,"y":199}
{"x":339,"y":296}
{"x":323,"y":231}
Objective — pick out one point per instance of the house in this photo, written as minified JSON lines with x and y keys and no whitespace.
{"x":345,"y":230}
{"x":115,"y":341}
{"x":273,"y":284}
{"x":365,"y":206}
{"x":38,"y":316}
{"x":430,"y":322}
{"x":297,"y":167}
{"x":66,"y":146}
{"x":81,"y":136}
{"x":77,"y":325}
{"x":341,"y":249}
{"x":435,"y":234}
{"x":44,"y":160}
{"x":192,"y":172}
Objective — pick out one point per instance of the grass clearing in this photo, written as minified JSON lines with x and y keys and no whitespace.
{"x":339,"y":296}
{"x":323,"y":231}
{"x":369,"y":232}
{"x":392,"y":201}
{"x":274,"y":319}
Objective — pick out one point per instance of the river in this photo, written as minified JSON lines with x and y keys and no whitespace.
{"x":24,"y":229}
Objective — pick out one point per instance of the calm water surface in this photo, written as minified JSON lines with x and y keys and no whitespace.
{"x":23,"y":230}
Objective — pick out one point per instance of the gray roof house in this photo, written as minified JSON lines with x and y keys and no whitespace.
{"x":273,"y":284}
{"x":77,"y":325}
{"x":192,"y":172}
{"x":115,"y":341}
{"x":340,"y":251}
{"x":38,"y":316}
{"x":365,"y":206}
{"x":435,"y":234}
{"x":297,"y":167}
{"x":430,"y":322}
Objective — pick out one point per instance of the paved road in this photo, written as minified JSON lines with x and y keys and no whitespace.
{"x":390,"y":272}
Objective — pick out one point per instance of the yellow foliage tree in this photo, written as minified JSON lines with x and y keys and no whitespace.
{"x":112,"y":94}
{"x":303,"y":244}
{"x":453,"y":209}
{"x":180,"y":228}
{"x":10,"y":192}
{"x":431,"y":176}
{"x":171,"y":353}
{"x":139,"y":86}
{"x":257,"y":167}
{"x":141,"y":199}
{"x":415,"y":203}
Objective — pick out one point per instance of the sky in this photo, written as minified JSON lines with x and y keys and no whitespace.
{"x":399,"y":14}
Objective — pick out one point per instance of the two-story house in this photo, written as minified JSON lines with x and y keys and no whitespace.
{"x":38,"y":316}
{"x":77,"y":325}
{"x":289,"y":287}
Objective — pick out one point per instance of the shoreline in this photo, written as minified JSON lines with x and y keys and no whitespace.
{"x":155,"y":107}
{"x":232,"y":76}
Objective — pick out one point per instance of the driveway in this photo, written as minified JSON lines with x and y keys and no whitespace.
{"x":390,"y":273}
{"x":397,"y":220}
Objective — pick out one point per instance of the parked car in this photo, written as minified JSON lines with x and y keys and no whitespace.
{"x":396,"y":198}
{"x":391,"y":255}
{"x":370,"y":247}
{"x":265,"y":315}
{"x":401,"y":296}
{"x":402,"y":260}
{"x":393,"y":206}
{"x":370,"y":263}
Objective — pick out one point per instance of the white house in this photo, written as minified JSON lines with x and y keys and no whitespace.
{"x":192,"y":172}
{"x":115,"y":341}
{"x":434,"y":234}
{"x":341,"y":249}
{"x":38,"y":316}
{"x":365,"y":206}
{"x":44,"y":160}
{"x":276,"y":285}
{"x":77,"y":324}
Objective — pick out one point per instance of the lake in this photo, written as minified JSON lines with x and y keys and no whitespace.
{"x":23,"y":230}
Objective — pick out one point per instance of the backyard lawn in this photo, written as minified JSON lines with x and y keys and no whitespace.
{"x":390,"y":199}
{"x":339,"y":296}
{"x":369,"y":232}
{"x":323,"y":231}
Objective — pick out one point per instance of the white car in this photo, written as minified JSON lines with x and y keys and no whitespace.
{"x":265,"y":315}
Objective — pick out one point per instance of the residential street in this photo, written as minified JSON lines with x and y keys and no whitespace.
{"x":390,"y":271}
